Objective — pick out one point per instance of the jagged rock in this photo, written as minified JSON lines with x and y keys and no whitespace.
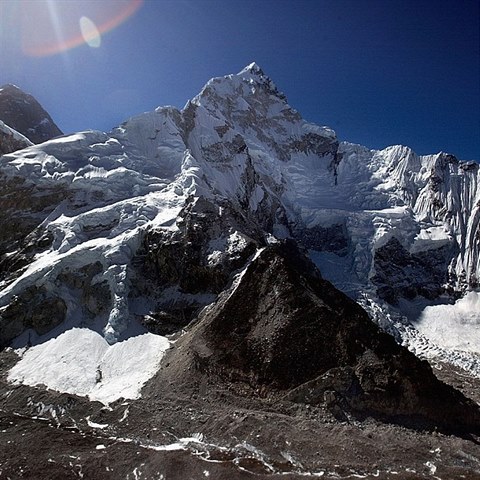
{"x":196,"y":260}
{"x":96,"y":297}
{"x":332,"y":238}
{"x":12,"y":263}
{"x":23,"y":207}
{"x":400,"y":274}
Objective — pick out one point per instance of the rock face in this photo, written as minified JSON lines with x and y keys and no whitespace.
{"x":23,"y":207}
{"x":36,"y":309}
{"x":282,"y":331}
{"x":23,"y":113}
{"x":11,"y":140}
{"x":185,"y":270}
{"x":401,"y":274}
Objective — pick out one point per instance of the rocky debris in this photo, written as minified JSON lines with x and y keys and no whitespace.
{"x":206,"y":431}
{"x":281,"y":331}
{"x":24,"y":114}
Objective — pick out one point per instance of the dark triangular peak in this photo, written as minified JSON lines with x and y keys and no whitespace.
{"x":23,"y":113}
{"x":283,"y":333}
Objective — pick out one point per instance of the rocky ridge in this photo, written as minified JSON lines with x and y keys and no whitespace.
{"x":281,"y":332}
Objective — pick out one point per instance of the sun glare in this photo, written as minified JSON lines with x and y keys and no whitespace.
{"x":90,"y":32}
{"x":49,"y":27}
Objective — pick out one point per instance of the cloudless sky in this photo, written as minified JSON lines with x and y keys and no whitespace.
{"x":379,"y":72}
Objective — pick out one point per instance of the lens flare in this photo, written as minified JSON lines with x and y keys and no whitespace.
{"x":90,"y":33}
{"x":49,"y":27}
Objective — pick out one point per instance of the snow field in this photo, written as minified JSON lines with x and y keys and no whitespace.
{"x":454,"y":327}
{"x":81,"y":362}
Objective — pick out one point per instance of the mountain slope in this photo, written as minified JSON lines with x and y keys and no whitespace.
{"x":11,"y":140}
{"x":165,"y":269}
{"x":138,"y":229}
{"x":281,"y":331}
{"x":24,"y":114}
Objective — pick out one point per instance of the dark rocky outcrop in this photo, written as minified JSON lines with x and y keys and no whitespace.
{"x":401,"y":274}
{"x":283,"y":332}
{"x":23,"y":113}
{"x":332,"y":238}
{"x":196,"y":260}
{"x":23,"y":207}
{"x":11,"y":140}
{"x":36,"y":308}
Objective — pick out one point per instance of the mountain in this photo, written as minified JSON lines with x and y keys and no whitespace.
{"x":24,"y":114}
{"x":190,"y":252}
{"x":396,"y":231}
{"x":11,"y":140}
{"x":283,"y":331}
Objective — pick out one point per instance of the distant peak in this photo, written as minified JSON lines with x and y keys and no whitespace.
{"x":253,"y":68}
{"x":10,"y":86}
{"x":22,"y":112}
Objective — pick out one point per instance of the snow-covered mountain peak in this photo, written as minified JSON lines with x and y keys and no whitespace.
{"x":255,"y":74}
{"x":251,"y":84}
{"x":234,"y":168}
{"x":252,"y":68}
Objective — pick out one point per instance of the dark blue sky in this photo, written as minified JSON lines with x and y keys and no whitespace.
{"x":380,"y":72}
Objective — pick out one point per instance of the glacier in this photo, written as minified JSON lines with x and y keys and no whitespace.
{"x":235,"y":169}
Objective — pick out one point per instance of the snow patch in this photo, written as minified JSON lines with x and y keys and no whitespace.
{"x":80,"y":361}
{"x":454,"y":327}
{"x":430,"y":238}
